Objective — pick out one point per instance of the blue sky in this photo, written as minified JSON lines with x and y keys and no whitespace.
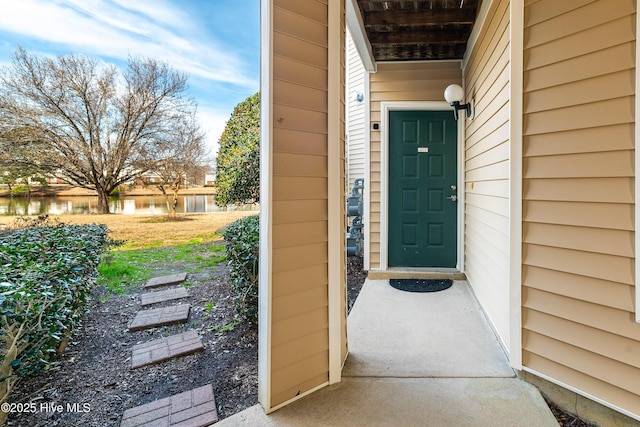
{"x":216,"y":42}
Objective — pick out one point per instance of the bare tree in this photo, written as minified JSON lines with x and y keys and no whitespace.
{"x":179,"y":157}
{"x":15,"y":164}
{"x":98,"y":127}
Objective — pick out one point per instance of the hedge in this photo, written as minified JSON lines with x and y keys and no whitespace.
{"x":46,"y":276}
{"x":242,"y":249}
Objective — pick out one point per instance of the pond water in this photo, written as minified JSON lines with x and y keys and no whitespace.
{"x":140,"y":205}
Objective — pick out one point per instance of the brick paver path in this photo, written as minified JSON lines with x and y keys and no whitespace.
{"x":165,"y":348}
{"x":193,"y":408}
{"x":172,"y":279}
{"x":160,"y":316}
{"x":149,"y":298}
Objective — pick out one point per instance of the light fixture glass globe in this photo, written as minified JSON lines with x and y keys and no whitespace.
{"x":453,"y":93}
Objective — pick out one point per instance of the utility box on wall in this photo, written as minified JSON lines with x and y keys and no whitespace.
{"x":355,"y":208}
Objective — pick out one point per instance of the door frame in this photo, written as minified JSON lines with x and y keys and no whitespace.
{"x":385,"y":108}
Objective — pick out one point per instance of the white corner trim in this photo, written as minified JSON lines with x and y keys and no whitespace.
{"x":264,"y":284}
{"x":637,"y":162}
{"x":477,"y":28}
{"x":359,"y":36}
{"x":367,"y":174}
{"x":385,"y":108}
{"x":515,"y":182}
{"x":336,"y":190}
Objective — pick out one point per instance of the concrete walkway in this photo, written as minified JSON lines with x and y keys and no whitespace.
{"x":416,"y":360}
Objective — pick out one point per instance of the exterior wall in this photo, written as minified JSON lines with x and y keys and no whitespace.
{"x":303,"y":99}
{"x":399,"y":81}
{"x":486,"y":163}
{"x":355,"y":115}
{"x":578,"y":198}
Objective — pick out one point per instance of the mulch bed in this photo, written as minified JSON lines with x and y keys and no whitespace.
{"x":355,"y":279}
{"x":564,"y":419}
{"x":96,"y":368}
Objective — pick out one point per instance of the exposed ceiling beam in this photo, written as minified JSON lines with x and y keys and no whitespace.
{"x":416,"y":29}
{"x":451,"y":4}
{"x":424,"y":52}
{"x":413,"y":37}
{"x":420,"y":17}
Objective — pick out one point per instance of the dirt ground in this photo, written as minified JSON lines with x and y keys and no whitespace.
{"x":96,"y":368}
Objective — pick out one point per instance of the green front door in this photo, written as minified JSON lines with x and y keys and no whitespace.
{"x":423,"y":205}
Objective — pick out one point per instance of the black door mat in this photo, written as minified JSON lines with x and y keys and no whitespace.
{"x":415,"y":285}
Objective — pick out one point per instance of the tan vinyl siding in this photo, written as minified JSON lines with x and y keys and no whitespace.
{"x":578,"y":197}
{"x":401,"y":81}
{"x":355,"y":115}
{"x":486,"y":162}
{"x":299,"y":310}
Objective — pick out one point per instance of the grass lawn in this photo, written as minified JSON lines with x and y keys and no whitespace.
{"x":121,"y":269}
{"x":143,"y":231}
{"x":155,"y":245}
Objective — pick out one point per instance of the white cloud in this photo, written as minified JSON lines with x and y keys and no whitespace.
{"x":120,"y":28}
{"x":157,"y":10}
{"x":213,"y":122}
{"x":162,"y":29}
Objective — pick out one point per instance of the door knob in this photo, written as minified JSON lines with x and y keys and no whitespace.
{"x":453,"y":198}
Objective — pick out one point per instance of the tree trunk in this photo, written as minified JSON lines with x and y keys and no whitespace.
{"x":103,"y":201}
{"x":174,"y":205}
{"x":166,"y":198}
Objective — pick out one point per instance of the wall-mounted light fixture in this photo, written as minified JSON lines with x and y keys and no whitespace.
{"x":454,"y":95}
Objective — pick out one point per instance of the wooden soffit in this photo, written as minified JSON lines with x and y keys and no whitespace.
{"x":400,"y":30}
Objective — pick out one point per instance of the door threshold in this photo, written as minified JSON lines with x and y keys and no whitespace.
{"x":416,"y":273}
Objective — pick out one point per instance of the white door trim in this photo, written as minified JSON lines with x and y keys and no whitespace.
{"x":366,"y":196}
{"x":385,"y":108}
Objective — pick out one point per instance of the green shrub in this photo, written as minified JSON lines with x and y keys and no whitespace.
{"x":20,"y":190}
{"x":243,"y":238}
{"x":238,"y":160}
{"x":45,"y":280}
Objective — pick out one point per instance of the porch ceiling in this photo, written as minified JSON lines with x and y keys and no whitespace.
{"x":401,"y":30}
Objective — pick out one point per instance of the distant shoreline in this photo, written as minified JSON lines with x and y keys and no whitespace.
{"x":56,"y":190}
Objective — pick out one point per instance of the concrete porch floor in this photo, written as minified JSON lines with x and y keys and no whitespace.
{"x":416,"y":359}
